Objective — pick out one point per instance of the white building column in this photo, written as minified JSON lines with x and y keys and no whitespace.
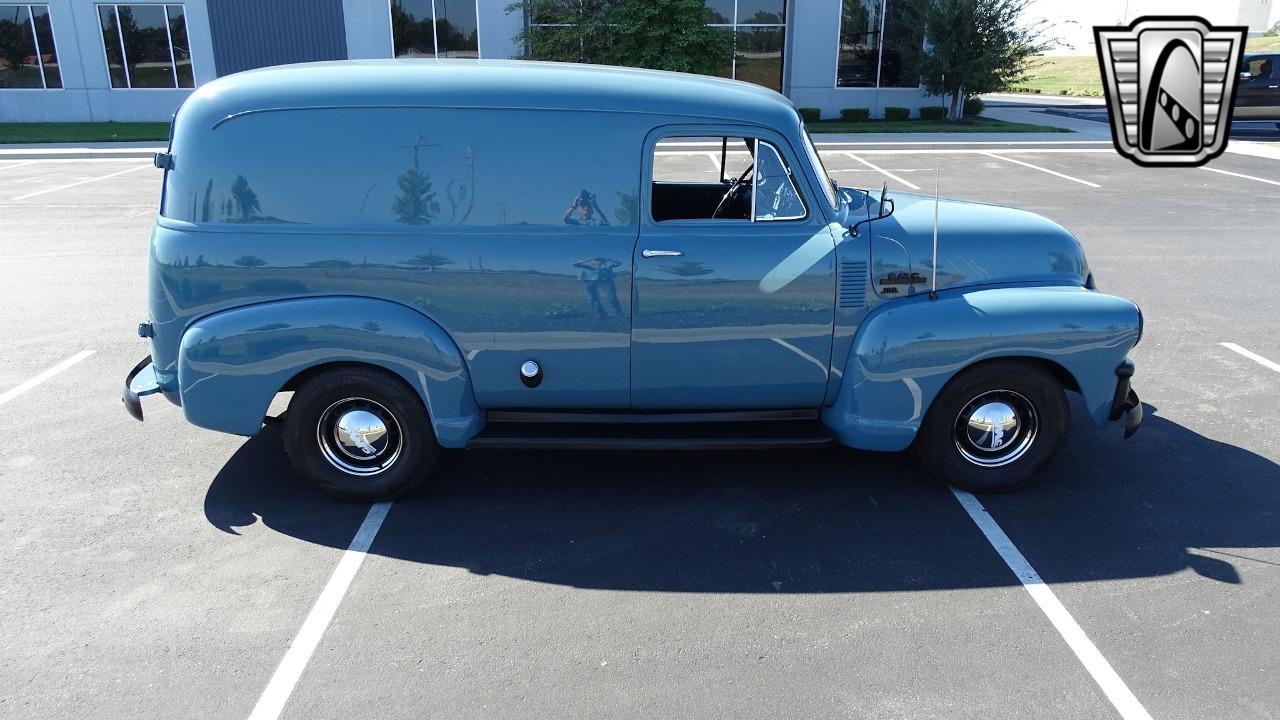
{"x":368,"y":24}
{"x":498,"y":29}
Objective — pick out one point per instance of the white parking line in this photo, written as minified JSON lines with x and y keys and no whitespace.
{"x":1041,"y":169}
{"x":882,"y":171}
{"x":835,"y":143}
{"x":1240,"y":175}
{"x":841,"y":143}
{"x":31,"y":256}
{"x":69,"y":160}
{"x":19,"y":164}
{"x":1252,"y":356}
{"x":304,"y":643}
{"x":976,"y":151}
{"x":79,"y":182}
{"x":1112,"y":686}
{"x":31,"y":382}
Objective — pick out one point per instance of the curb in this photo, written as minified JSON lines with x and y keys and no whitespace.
{"x":79,"y":153}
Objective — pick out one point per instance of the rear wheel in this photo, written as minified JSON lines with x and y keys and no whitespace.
{"x":360,"y":434}
{"x":994,"y":426}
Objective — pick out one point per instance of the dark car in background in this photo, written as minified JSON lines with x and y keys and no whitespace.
{"x":1258,"y":94}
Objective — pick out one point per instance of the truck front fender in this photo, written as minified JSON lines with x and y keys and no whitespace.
{"x":231,"y":364}
{"x":906,"y":351}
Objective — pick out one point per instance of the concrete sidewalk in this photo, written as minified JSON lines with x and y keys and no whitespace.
{"x":80,"y":151}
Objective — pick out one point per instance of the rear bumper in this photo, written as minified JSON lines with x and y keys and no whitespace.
{"x":1125,"y":404}
{"x":140,"y":381}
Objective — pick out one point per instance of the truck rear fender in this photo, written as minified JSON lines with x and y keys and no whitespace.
{"x":231,"y":364}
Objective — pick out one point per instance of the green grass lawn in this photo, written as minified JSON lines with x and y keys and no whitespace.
{"x":1063,"y":75}
{"x":83,"y":132}
{"x":1078,"y":74}
{"x":1262,"y":43}
{"x":973,"y":125}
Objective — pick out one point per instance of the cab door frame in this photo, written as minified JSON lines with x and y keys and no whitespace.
{"x":665,"y":353}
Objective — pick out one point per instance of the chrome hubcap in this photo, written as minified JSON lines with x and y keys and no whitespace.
{"x":359,"y":436}
{"x":995,"y":428}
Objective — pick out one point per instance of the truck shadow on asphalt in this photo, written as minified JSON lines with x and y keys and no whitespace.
{"x":826,"y":521}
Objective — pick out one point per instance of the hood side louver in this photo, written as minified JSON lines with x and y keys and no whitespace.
{"x":853,"y":285}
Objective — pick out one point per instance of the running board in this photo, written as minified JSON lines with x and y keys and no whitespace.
{"x":632,"y":417}
{"x":653,"y":436}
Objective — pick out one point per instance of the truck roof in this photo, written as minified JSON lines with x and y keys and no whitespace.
{"x":489,"y":84}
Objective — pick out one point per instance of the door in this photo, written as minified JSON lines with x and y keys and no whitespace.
{"x":734,"y":284}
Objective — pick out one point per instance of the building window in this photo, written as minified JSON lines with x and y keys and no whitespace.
{"x":146,"y":46}
{"x":881,"y":43}
{"x":28,"y":58}
{"x":759,"y":34}
{"x":758,"y":29}
{"x":435,"y":28}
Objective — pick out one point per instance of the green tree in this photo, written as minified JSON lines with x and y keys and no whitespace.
{"x":977,"y":46}
{"x":667,"y":35}
{"x":656,"y":34}
{"x":564,"y":30}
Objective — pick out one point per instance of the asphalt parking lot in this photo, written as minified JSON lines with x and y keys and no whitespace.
{"x":159,"y":570}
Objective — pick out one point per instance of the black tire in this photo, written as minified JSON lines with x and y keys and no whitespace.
{"x":330,"y":438}
{"x":988,"y":456}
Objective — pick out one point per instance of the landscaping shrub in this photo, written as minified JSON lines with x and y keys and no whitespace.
{"x":811,"y":114}
{"x":973,"y":107}
{"x":897,"y":113}
{"x":933,"y":112}
{"x":855,"y":114}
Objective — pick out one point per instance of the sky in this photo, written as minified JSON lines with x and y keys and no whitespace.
{"x":1074,"y":19}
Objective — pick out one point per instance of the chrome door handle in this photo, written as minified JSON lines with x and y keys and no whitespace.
{"x":661,"y":253}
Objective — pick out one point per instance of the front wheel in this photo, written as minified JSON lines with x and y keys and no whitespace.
{"x":360,"y":434}
{"x":994,"y":426}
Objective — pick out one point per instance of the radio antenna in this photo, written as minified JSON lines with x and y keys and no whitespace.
{"x":933,"y":290}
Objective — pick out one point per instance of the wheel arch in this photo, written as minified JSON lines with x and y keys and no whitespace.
{"x":1061,"y":374}
{"x":906,"y":351}
{"x":233,"y":363}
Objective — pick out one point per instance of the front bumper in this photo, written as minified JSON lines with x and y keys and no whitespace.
{"x":141,"y":381}
{"x":1125,"y":404}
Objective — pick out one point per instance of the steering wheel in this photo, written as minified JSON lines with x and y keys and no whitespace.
{"x":735,"y":190}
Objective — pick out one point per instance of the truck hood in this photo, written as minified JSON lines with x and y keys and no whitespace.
{"x":978,"y":244}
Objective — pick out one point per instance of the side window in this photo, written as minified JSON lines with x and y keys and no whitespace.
{"x":722,"y":178}
{"x":776,"y":194}
{"x":1260,"y":67}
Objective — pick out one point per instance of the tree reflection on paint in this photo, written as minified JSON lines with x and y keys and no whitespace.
{"x":246,"y":200}
{"x":416,"y":204}
{"x":688,"y":268}
{"x":429,"y":260}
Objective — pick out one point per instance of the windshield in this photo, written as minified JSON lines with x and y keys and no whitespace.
{"x":828,"y":185}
